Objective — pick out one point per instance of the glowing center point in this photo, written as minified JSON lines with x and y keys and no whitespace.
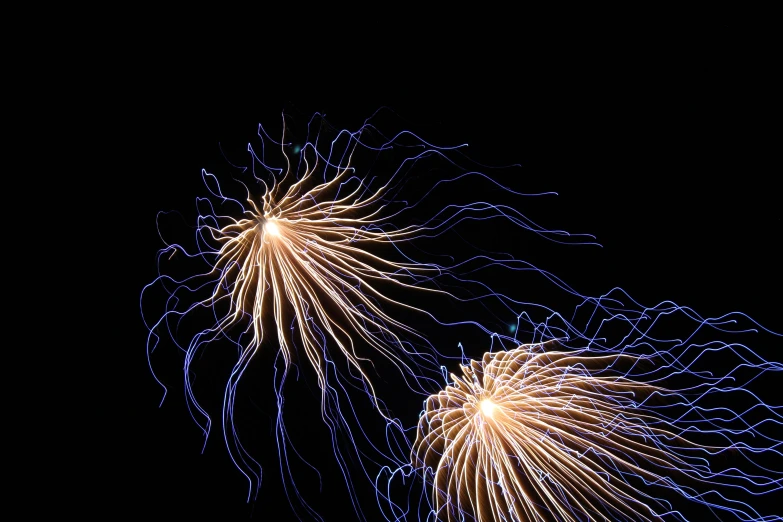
{"x":271,"y":228}
{"x":487,"y":408}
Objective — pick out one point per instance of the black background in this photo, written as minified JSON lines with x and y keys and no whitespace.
{"x":661,"y":144}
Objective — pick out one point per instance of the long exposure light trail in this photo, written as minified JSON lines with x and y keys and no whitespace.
{"x":325,"y":256}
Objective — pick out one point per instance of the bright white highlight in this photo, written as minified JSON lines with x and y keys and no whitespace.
{"x":488,"y":408}
{"x":271,"y":228}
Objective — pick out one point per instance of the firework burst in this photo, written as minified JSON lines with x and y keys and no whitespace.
{"x":539,"y":433}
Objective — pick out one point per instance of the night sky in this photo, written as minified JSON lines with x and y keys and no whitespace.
{"x":663,"y":152}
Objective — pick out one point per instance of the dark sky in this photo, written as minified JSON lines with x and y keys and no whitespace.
{"x":663,"y":150}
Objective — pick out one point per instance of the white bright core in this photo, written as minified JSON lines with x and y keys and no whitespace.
{"x":271,"y":228}
{"x":487,"y":408}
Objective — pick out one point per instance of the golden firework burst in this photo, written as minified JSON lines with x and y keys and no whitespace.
{"x":539,"y":434}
